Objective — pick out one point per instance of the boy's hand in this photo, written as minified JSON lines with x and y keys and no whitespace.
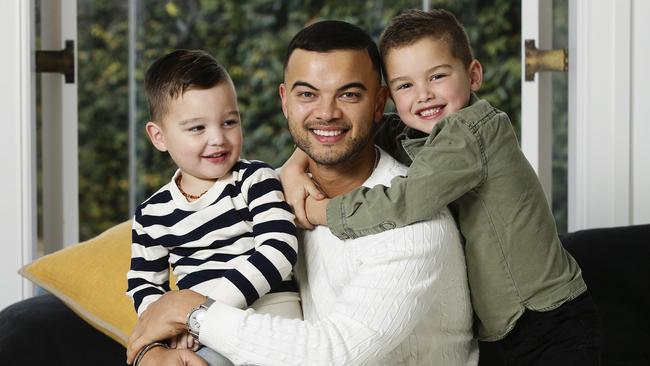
{"x":183,"y":341}
{"x":159,"y":356}
{"x":317,"y":210}
{"x":298,"y":186}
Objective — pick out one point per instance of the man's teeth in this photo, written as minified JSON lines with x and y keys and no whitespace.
{"x":430,"y":112}
{"x":328,"y":133}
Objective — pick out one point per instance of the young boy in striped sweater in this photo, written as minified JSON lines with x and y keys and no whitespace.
{"x":221,"y":222}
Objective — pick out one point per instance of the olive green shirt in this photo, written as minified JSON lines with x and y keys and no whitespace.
{"x":472,"y":162}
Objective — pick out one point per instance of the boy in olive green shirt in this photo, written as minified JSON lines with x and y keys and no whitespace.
{"x":527,"y":291}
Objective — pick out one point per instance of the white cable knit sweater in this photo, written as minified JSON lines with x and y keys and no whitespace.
{"x":395,"y":298}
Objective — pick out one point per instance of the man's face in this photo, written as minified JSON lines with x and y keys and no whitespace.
{"x":331,"y":101}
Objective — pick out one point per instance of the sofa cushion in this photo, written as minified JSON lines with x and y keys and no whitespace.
{"x":44,"y":331}
{"x":615,"y":264}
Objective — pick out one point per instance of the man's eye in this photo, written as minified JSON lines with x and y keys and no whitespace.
{"x":306,"y":94}
{"x":351,"y":95}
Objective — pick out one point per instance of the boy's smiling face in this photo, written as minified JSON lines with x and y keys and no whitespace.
{"x":427,"y":82}
{"x":202,"y":132}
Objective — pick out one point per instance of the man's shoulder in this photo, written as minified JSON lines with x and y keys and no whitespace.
{"x":386,"y":169}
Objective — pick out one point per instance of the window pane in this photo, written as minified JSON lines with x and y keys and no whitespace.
{"x":249,"y":38}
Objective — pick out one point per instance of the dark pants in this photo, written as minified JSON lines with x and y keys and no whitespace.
{"x":568,"y":335}
{"x":43,"y":331}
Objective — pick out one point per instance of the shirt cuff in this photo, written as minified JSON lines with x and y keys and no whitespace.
{"x":219,"y":328}
{"x":335,"y":218}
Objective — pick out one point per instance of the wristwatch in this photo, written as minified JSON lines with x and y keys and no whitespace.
{"x":195,"y":317}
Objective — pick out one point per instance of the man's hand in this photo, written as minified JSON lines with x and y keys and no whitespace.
{"x":297,"y":186}
{"x":316,"y":210}
{"x":163,"y":319}
{"x":159,"y":356}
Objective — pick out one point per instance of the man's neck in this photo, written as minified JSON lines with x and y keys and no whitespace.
{"x":335,"y":180}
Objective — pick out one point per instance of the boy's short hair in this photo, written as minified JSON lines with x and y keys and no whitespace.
{"x":438,"y":24}
{"x":173,"y":74}
{"x":334,"y":35}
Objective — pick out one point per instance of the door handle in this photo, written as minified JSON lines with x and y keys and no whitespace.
{"x":537,"y":60}
{"x":58,"y":61}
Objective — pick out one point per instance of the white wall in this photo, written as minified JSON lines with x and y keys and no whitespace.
{"x":609,"y":115}
{"x":16,"y":150}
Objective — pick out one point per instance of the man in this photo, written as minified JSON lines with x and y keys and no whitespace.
{"x":399,"y":297}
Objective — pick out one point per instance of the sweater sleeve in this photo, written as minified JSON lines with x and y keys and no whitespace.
{"x":148,"y":277}
{"x":389,"y":293}
{"x":450,"y":164}
{"x":276,"y":245}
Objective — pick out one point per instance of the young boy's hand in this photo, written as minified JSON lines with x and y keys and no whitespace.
{"x":316,"y":210}
{"x":298,"y":186}
{"x":183,"y":341}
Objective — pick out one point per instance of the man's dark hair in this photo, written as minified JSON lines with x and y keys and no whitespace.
{"x":334,"y":35}
{"x":437,"y":24}
{"x":173,"y":74}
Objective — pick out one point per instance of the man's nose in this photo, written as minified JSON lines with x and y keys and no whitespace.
{"x":328,"y":110}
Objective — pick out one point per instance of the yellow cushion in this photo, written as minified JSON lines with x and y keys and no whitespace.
{"x":90,"y":277}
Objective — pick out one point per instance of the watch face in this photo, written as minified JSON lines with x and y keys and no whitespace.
{"x":195,"y":320}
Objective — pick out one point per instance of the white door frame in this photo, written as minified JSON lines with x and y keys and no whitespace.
{"x":18,"y":149}
{"x":609,"y":168}
{"x":60,"y":131}
{"x":536,"y":95}
{"x":18,"y":221}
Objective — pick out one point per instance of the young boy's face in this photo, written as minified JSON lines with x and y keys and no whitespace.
{"x":427,"y":83}
{"x":202,"y":133}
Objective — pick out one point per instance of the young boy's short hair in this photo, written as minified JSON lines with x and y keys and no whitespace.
{"x":438,"y":24}
{"x":334,"y":35}
{"x":173,"y":74}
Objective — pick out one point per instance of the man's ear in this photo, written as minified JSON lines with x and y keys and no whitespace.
{"x":380,"y":103}
{"x":154,"y":131}
{"x":283,"y":96}
{"x":475,"y":75}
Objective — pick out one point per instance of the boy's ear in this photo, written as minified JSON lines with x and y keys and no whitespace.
{"x":283,"y":96}
{"x":154,"y":131}
{"x":475,"y":75}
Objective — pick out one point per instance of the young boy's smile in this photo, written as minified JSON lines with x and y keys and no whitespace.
{"x":427,"y":82}
{"x":202,"y":133}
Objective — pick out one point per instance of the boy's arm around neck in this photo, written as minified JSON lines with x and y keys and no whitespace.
{"x":450,"y":164}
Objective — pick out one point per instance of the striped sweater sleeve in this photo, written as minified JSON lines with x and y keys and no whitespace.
{"x":148,"y":278}
{"x":274,"y":233}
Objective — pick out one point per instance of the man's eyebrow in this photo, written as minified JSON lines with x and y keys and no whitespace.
{"x":356,"y":84}
{"x":303,"y":83}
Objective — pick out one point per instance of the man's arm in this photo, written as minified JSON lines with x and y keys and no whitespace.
{"x":393,"y":289}
{"x":449,"y":165}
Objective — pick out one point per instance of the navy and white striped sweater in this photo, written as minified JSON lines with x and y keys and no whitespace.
{"x":234,"y":244}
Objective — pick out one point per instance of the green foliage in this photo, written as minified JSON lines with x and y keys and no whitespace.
{"x":249,"y":39}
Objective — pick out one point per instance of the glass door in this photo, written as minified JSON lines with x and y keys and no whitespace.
{"x":118,"y":167}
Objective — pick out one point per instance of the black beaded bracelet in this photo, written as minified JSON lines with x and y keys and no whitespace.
{"x":146,"y":349}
